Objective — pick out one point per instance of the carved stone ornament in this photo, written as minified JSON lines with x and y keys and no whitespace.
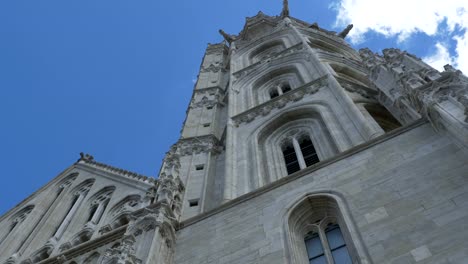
{"x":213,"y":68}
{"x":61,"y":259}
{"x":281,"y":101}
{"x":124,"y":253}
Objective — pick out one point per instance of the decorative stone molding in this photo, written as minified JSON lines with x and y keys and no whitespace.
{"x":89,"y":160}
{"x":196,"y":145}
{"x":213,"y":68}
{"x":205,"y":102}
{"x":124,"y":253}
{"x":269,"y":58}
{"x":281,"y":101}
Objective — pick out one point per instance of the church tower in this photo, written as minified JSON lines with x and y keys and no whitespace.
{"x":296,"y":149}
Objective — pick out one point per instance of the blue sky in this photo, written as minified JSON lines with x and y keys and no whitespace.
{"x":113,"y":78}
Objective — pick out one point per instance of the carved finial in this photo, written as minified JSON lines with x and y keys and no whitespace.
{"x":226,"y":36}
{"x":285,"y":12}
{"x":346,"y":31}
{"x":85,"y":157}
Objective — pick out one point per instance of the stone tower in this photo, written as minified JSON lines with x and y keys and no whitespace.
{"x":296,"y":149}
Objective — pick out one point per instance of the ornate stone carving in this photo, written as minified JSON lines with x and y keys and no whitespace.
{"x":281,"y":101}
{"x":124,"y":253}
{"x":213,"y":68}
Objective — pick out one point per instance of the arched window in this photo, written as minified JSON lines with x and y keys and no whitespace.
{"x":286,"y":88}
{"x":299,"y":152}
{"x":318,"y":252}
{"x":290,"y":157}
{"x":308,"y":151}
{"x":274,"y":93}
{"x":99,"y":204}
{"x":321,"y":232}
{"x":279,"y":89}
{"x":79,"y":194}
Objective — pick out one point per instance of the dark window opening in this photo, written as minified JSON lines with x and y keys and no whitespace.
{"x":193,"y":203}
{"x":292,"y":164}
{"x":92,"y":212}
{"x":286,"y":88}
{"x":273,"y":93}
{"x":383,"y":117}
{"x":308,"y":152}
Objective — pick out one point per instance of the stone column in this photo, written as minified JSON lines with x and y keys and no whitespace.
{"x":97,"y":215}
{"x":69,"y":217}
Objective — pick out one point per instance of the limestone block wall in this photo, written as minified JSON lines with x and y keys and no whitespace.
{"x":404,"y":198}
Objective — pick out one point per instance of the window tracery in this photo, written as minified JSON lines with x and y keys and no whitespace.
{"x":320,"y":231}
{"x":15,"y":221}
{"x":99,"y":204}
{"x":298,"y":151}
{"x":79,"y":194}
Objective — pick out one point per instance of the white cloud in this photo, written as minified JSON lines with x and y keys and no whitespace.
{"x":440,"y":58}
{"x":402,"y":18}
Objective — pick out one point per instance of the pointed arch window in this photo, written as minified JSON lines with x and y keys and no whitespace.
{"x":99,"y":204}
{"x":286,"y":88}
{"x":279,"y":89}
{"x":274,"y":93}
{"x":299,"y":153}
{"x":320,"y":231}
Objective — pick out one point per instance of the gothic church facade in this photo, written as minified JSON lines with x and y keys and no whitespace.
{"x":296,"y":149}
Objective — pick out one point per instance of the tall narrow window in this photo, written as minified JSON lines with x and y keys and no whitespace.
{"x":299,"y":153}
{"x":274,"y":93}
{"x":315,"y":249}
{"x":336,"y":247}
{"x":290,"y":157}
{"x":308,"y":152}
{"x":337,"y":244}
{"x":92,"y":212}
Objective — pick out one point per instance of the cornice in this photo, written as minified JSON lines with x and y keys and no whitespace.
{"x":281,"y":101}
{"x":89,"y":161}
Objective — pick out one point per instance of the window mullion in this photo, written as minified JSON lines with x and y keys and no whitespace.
{"x":300,"y":158}
{"x":326,"y":246}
